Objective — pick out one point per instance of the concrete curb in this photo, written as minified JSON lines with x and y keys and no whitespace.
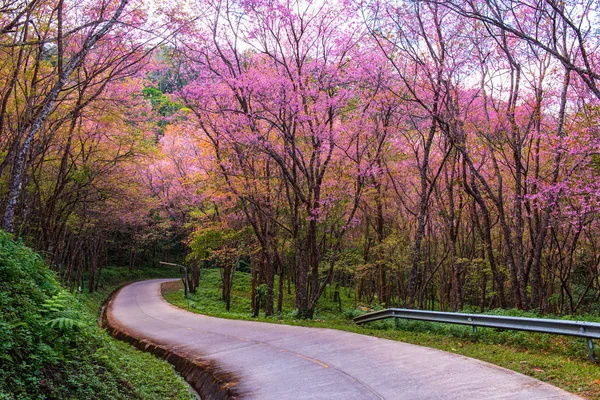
{"x":206,"y":378}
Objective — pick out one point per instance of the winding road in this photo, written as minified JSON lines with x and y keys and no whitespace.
{"x":268,"y":361}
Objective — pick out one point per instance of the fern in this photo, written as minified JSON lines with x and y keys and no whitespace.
{"x":56,"y":303}
{"x":60,"y":309}
{"x":64,"y":323}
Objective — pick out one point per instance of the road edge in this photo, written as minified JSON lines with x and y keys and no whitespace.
{"x":206,"y":378}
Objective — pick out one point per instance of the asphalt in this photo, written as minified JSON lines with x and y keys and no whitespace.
{"x":269,"y":361}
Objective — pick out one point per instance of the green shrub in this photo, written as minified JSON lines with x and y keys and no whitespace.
{"x":351,"y":313}
{"x":51,"y":348}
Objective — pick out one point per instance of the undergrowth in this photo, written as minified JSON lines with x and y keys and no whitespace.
{"x":52,"y":348}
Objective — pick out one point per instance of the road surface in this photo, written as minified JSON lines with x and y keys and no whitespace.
{"x":269,"y":361}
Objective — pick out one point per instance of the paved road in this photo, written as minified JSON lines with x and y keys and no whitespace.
{"x":288,"y":362}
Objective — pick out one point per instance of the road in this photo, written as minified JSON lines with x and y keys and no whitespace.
{"x":267,"y":361}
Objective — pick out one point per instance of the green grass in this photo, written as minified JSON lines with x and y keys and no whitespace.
{"x":558,"y":360}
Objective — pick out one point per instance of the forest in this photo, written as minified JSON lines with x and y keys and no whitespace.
{"x":417,"y":153}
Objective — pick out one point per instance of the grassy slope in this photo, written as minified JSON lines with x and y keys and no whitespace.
{"x":561,"y":361}
{"x":41,"y":358}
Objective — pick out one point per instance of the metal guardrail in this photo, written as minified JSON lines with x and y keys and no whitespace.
{"x":587,"y":330}
{"x":184,"y":278}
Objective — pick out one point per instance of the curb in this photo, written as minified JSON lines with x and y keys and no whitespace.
{"x":203,"y":376}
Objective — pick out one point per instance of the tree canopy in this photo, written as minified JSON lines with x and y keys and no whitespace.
{"x":430,"y":154}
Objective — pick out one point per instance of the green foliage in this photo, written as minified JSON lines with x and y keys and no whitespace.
{"x":62,"y":309}
{"x":81,"y":174}
{"x":161,"y":104}
{"x":204,"y":241}
{"x":215,"y":246}
{"x":596,"y":163}
{"x":51,"y":348}
{"x":347,"y":260}
{"x":351,"y":313}
{"x":28,"y":345}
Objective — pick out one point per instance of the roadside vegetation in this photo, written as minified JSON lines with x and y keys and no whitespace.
{"x":52,"y":348}
{"x":559,"y":360}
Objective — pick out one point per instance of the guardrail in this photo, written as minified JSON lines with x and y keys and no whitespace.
{"x":185,"y":278}
{"x":587,"y":330}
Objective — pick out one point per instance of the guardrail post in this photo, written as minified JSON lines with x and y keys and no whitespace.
{"x":590,"y":344}
{"x":185,"y":278}
{"x":473,"y":326}
{"x":396,"y":323}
